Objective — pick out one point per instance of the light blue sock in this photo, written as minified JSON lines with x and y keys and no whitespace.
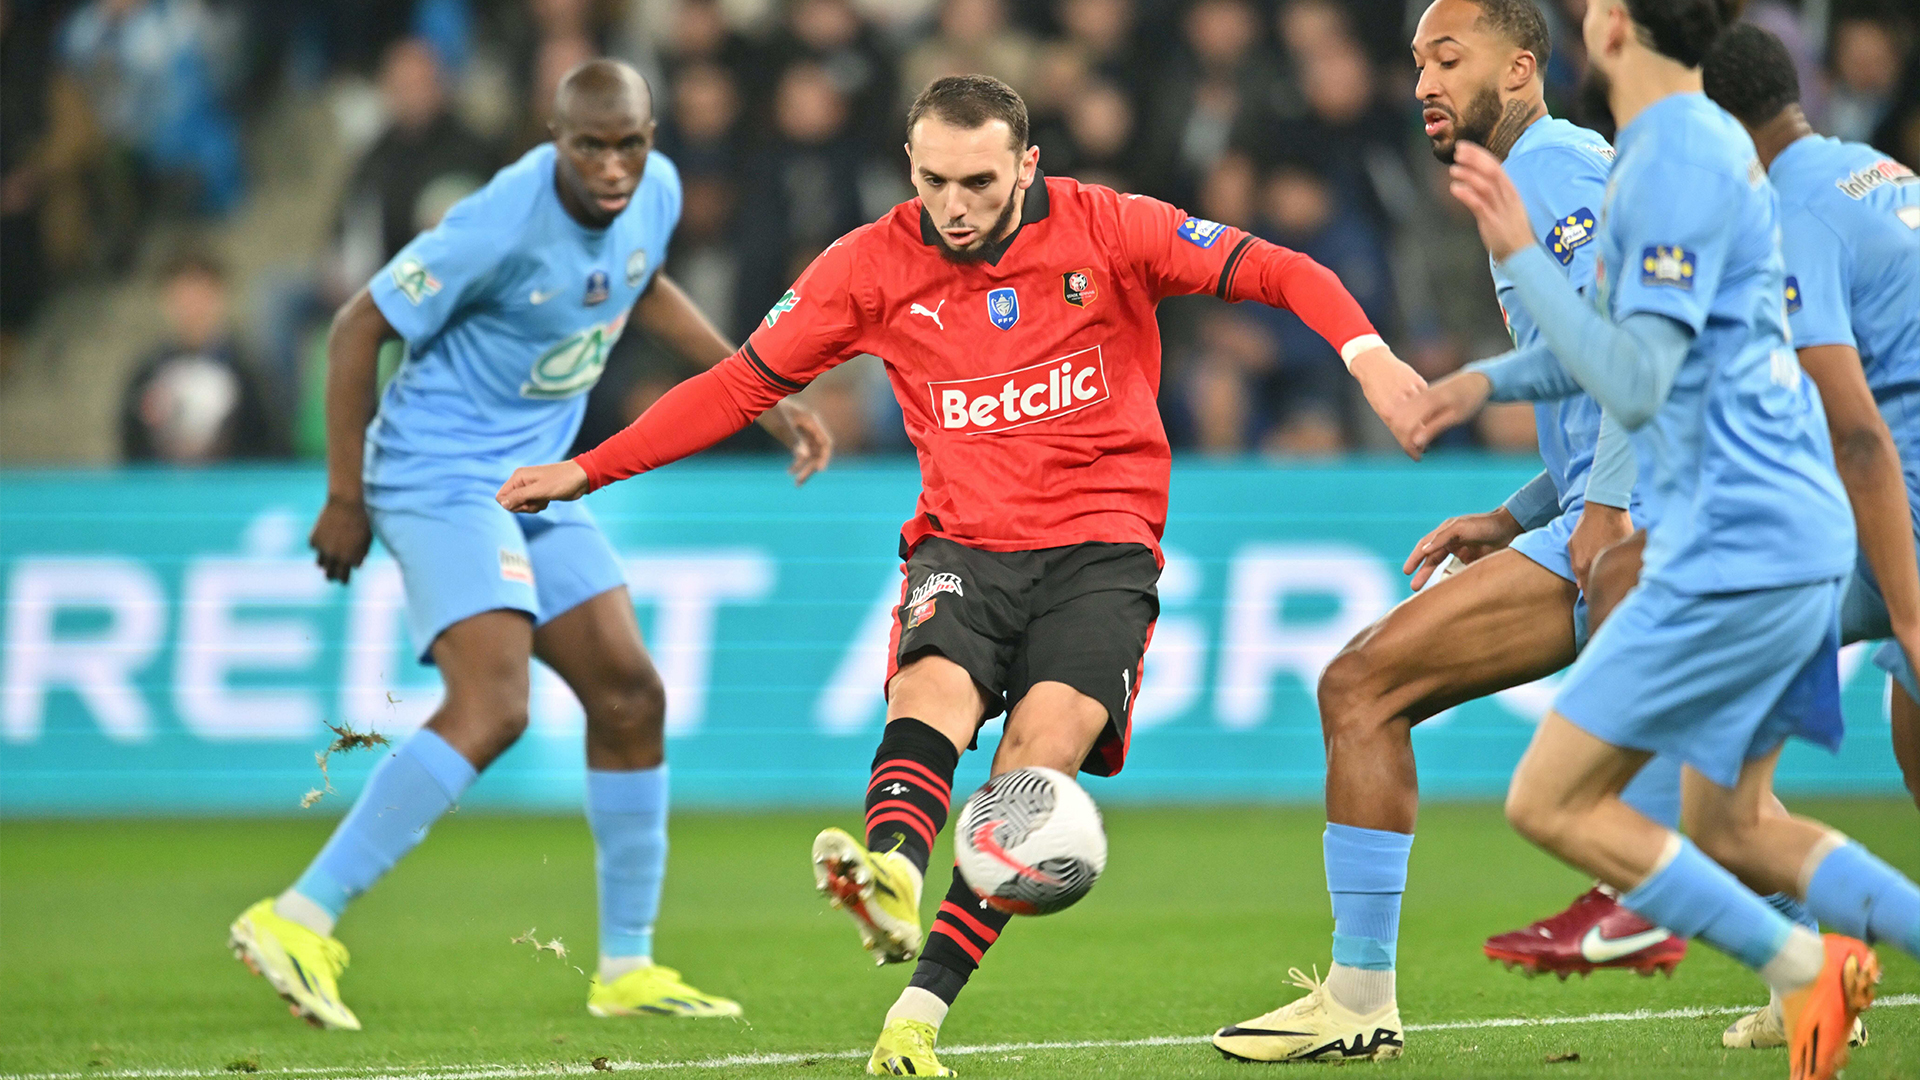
{"x":1794,"y":910}
{"x":1366,"y":874}
{"x":628,"y":814}
{"x":1855,"y":893}
{"x":405,"y":794}
{"x":1655,"y":790}
{"x":1693,"y":896}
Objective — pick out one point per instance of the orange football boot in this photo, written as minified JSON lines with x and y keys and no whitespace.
{"x":1820,"y":1015}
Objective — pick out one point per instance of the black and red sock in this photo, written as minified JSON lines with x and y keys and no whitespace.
{"x":911,"y":789}
{"x":963,"y":931}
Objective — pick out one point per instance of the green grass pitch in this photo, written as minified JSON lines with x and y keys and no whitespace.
{"x":112,"y":956}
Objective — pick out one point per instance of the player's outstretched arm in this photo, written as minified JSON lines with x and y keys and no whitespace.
{"x":342,"y":535}
{"x":668,"y":313}
{"x":1869,"y":467}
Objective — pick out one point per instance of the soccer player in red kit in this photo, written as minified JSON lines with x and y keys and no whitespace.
{"x":1015,"y":314}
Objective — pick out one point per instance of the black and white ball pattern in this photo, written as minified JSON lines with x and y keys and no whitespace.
{"x":1031,"y":842}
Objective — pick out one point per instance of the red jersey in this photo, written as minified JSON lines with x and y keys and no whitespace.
{"x":1028,"y":379}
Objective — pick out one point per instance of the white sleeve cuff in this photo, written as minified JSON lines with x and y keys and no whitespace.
{"x":1359,"y":345}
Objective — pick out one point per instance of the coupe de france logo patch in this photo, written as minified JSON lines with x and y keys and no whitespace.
{"x":1569,"y":233}
{"x":781,"y":307}
{"x":1200,"y":232}
{"x":1003,"y":308}
{"x":410,"y":276}
{"x":596,"y":288}
{"x":1078,"y":287}
{"x":1667,"y":264}
{"x":1793,"y":294}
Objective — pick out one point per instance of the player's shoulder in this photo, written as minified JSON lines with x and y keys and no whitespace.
{"x":1552,"y":143}
{"x":1837,"y":176}
{"x":510,"y":197}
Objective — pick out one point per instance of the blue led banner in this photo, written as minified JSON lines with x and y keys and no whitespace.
{"x":169,"y":646}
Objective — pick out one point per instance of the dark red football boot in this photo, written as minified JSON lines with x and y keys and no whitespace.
{"x":1596,"y":932}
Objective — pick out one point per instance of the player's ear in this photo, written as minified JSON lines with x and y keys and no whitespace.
{"x":1029,"y":165}
{"x":1522,"y":70}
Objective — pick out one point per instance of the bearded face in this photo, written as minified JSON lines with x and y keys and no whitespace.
{"x":1473,"y":124}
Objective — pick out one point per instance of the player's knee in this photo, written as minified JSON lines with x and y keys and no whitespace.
{"x":1345,"y":691}
{"x":1534,"y":816}
{"x":632,"y":704}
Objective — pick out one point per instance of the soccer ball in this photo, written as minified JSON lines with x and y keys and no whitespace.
{"x":1030,"y":842}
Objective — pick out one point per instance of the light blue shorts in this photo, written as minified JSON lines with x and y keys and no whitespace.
{"x":1547,"y":545}
{"x":1714,"y":680}
{"x":1863,"y":617}
{"x":460,"y":554}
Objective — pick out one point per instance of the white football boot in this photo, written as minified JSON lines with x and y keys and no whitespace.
{"x":1314,"y":1028}
{"x":1764,"y":1029}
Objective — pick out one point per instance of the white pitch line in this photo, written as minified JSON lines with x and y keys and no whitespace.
{"x":734,"y":1061}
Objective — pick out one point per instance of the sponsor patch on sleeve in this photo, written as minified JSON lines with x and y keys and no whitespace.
{"x":1570,"y":232}
{"x":1667,"y":264}
{"x":412,"y":278}
{"x":781,"y":307}
{"x":1200,"y":232}
{"x":1793,"y":294}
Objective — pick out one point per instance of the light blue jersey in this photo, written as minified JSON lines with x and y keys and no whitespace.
{"x":1561,"y":170}
{"x":1743,"y":491}
{"x":1850,"y":234}
{"x":508,"y":308}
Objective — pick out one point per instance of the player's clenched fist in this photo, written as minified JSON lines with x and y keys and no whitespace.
{"x":341,"y":537}
{"x":1448,"y":403}
{"x":532,"y":487}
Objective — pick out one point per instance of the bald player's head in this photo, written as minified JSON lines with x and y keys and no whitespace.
{"x":602,"y":131}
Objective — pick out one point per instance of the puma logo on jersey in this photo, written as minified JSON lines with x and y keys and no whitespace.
{"x":1023,"y":396}
{"x":933,"y":313}
{"x":538,"y":297}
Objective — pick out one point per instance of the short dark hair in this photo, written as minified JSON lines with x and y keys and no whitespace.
{"x":1749,"y":73}
{"x":1683,"y":30}
{"x":1520,"y":22}
{"x":971,"y":101}
{"x":193,"y":260}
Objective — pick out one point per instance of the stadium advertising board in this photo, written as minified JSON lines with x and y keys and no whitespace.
{"x":170,"y":647}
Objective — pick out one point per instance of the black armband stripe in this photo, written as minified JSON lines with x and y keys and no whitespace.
{"x":772,"y":377}
{"x":1232,"y":264}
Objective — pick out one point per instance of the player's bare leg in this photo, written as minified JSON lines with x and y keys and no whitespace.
{"x":1052,"y":725}
{"x":595,"y":647}
{"x":1565,"y":799}
{"x":289,"y":939}
{"x":1615,"y":572}
{"x":1501,"y":621}
{"x":1595,"y":931}
{"x":1906,"y":739}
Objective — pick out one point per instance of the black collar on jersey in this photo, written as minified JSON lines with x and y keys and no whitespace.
{"x":1033,"y":209}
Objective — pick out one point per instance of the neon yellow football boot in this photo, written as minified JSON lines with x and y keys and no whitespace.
{"x":301,"y":966}
{"x":906,"y":1049}
{"x":879,"y":889}
{"x":654,"y":991}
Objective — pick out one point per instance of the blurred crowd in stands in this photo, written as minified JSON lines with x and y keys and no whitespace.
{"x":1293,"y":118}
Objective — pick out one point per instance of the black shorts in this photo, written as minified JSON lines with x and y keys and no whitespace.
{"x":1080,"y":615}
